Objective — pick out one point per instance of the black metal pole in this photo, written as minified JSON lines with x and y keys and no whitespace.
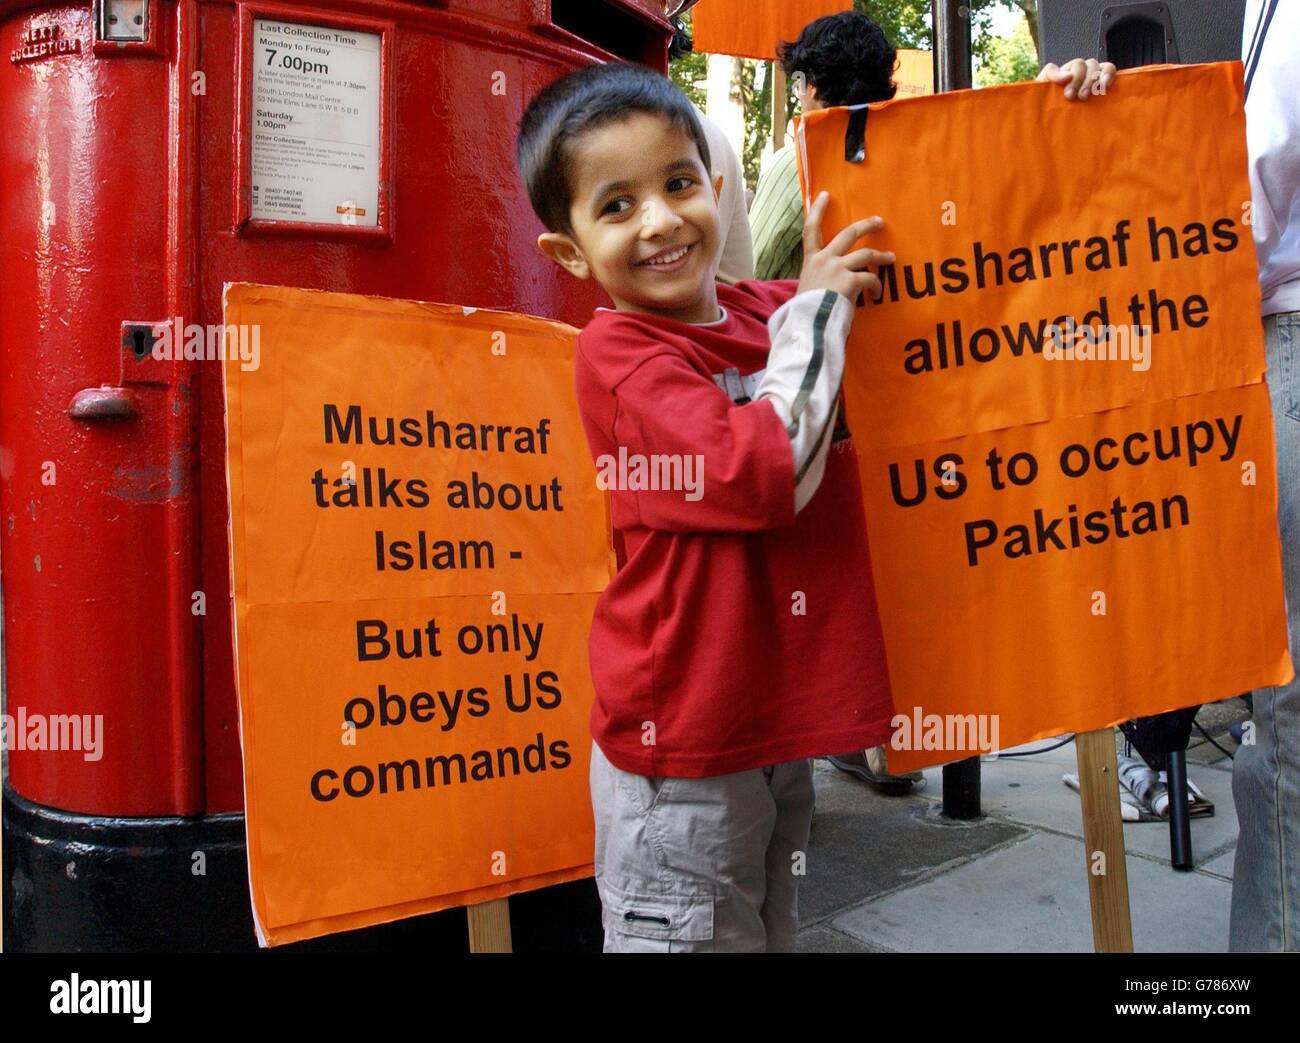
{"x":952,"y":72}
{"x":1180,"y":822}
{"x":952,"y":65}
{"x":961,"y":789}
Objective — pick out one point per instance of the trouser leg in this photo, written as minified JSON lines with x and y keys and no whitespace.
{"x":1266,"y":773}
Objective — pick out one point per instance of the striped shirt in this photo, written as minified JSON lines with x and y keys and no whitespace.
{"x":776,"y":219}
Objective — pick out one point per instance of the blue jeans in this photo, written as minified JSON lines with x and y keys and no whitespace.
{"x":1266,"y":775}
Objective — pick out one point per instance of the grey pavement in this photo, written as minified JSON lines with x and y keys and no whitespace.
{"x":891,"y":874}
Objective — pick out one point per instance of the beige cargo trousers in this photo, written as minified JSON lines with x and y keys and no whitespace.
{"x":701,"y":865}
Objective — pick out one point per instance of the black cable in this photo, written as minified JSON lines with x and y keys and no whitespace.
{"x":1046,"y":749}
{"x":1210,"y":739}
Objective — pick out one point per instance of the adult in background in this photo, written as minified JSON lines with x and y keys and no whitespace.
{"x":1266,"y":773}
{"x":840,"y":59}
{"x":735,"y":251}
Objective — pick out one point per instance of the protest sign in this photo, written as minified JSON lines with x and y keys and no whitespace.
{"x":914,"y":74}
{"x":753,"y":28}
{"x":1065,"y":443}
{"x":417,"y":543}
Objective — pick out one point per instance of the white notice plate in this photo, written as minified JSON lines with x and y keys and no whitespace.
{"x":315,"y":124}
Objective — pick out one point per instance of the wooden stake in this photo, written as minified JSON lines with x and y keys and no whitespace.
{"x":1103,"y":841}
{"x":778,"y":106}
{"x":489,"y":926}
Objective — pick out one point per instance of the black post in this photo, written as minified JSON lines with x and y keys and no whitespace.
{"x":952,"y":72}
{"x":952,"y":67}
{"x":961,"y":789}
{"x":1180,"y":822}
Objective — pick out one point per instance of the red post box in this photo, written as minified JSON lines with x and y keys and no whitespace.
{"x":154,"y":150}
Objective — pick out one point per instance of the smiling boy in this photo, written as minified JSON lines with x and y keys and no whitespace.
{"x":739,"y":637}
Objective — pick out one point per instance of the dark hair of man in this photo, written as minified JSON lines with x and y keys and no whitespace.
{"x":579,"y":102}
{"x":846,"y":56}
{"x":681,"y":44}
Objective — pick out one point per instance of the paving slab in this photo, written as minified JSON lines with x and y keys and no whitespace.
{"x":865,"y":844}
{"x":1216,"y":718}
{"x":1210,"y":836}
{"x":1032,"y":896}
{"x":1029,"y":791}
{"x":1203,"y":752}
{"x":827,"y":939}
{"x":1222,"y":865}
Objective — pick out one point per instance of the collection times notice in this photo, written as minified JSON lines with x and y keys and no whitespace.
{"x":315,"y":124}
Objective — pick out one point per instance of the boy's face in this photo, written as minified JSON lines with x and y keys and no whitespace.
{"x":645,"y":219}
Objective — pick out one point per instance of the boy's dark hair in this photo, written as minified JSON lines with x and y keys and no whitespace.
{"x":846,"y":56}
{"x":581,"y":101}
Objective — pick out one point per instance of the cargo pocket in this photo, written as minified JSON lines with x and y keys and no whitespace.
{"x":657,"y":923}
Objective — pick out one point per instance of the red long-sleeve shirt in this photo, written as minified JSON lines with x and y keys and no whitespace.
{"x":736,"y":634}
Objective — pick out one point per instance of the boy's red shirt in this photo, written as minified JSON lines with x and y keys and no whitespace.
{"x":736,"y":634}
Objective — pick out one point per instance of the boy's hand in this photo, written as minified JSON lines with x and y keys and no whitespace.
{"x":834,"y":266}
{"x":1082,"y":78}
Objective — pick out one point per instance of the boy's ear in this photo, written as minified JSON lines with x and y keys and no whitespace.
{"x":561,"y":249}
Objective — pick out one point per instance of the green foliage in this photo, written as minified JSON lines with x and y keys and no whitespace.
{"x":689,"y":70}
{"x":1009,"y":59}
{"x":759,"y":129}
{"x":906,"y":22}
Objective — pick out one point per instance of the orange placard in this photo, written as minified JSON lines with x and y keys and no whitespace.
{"x":753,"y":28}
{"x":417,"y":543}
{"x":1068,"y":465}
